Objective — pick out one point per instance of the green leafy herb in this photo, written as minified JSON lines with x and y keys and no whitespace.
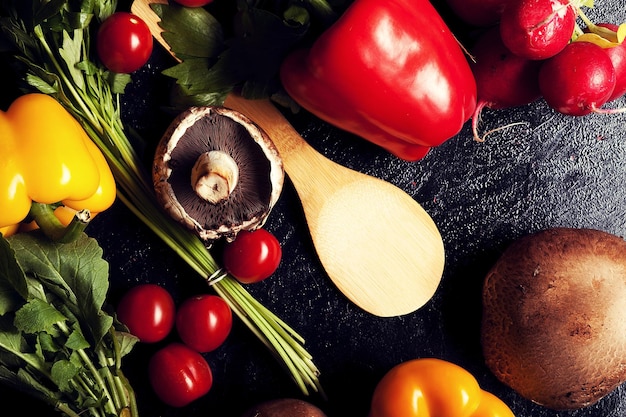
{"x":56,"y":342}
{"x":52,"y":40}
{"x":240,"y":50}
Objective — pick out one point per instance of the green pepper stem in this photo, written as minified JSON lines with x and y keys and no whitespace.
{"x":43,"y":215}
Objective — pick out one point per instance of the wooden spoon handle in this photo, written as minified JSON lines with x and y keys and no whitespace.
{"x":145,"y":12}
{"x":270,"y":119}
{"x":309,"y":170}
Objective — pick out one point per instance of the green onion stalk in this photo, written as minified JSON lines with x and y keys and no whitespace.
{"x":54,"y":44}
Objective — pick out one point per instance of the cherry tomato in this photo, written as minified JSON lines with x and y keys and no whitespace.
{"x":203,"y":322}
{"x":252,"y":256}
{"x":124,"y":42}
{"x":194,"y":3}
{"x":148,"y":311}
{"x":179,"y":375}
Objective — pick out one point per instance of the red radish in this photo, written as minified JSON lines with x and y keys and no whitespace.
{"x":537,"y":29}
{"x":479,"y":13}
{"x":618,"y":57}
{"x":578,"y":80}
{"x":502,"y":78}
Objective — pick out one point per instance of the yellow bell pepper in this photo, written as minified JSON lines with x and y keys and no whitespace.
{"x":433,"y":388}
{"x":49,"y":159}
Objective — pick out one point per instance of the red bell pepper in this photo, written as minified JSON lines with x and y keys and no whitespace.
{"x":389,"y":71}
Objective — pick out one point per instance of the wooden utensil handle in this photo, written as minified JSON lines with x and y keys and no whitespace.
{"x":145,"y":12}
{"x":305,"y":166}
{"x":287,"y":140}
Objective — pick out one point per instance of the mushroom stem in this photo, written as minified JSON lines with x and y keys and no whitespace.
{"x":214,"y":176}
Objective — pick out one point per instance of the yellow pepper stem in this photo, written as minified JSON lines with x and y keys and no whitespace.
{"x":43,"y":215}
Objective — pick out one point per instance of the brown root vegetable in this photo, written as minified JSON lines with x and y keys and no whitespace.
{"x":554,"y":317}
{"x":284,"y":407}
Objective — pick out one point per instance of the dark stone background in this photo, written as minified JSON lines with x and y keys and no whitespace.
{"x":553,"y":171}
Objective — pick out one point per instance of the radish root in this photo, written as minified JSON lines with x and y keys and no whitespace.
{"x":610,"y":111}
{"x":476,"y":118}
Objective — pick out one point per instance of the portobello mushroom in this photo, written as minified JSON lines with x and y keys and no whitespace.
{"x":217,"y":173}
{"x":554,"y":316}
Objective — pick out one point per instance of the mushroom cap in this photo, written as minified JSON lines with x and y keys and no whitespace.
{"x":284,"y":407}
{"x":554,"y":309}
{"x":261,"y":173}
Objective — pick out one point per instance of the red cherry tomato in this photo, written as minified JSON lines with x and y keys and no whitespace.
{"x":252,"y":256}
{"x":203,"y":322}
{"x":194,"y":3}
{"x":124,"y":42}
{"x":148,"y":311}
{"x":179,"y":375}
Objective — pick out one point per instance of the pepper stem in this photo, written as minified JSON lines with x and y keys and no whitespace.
{"x":214,"y":176}
{"x":51,"y":226}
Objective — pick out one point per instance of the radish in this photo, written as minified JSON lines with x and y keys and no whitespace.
{"x":537,"y":29}
{"x":479,"y":13}
{"x":502,"y":78}
{"x":578,"y":80}
{"x":618,"y":58}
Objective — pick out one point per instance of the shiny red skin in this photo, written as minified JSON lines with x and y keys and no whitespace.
{"x":390,"y":72}
{"x":148,"y":311}
{"x":253,"y":256}
{"x":618,"y":57}
{"x":204,"y":322}
{"x":179,"y":375}
{"x":537,"y":29}
{"x":503,"y":79}
{"x":479,"y":13}
{"x":124,"y":43}
{"x":193,"y":3}
{"x":578,"y":80}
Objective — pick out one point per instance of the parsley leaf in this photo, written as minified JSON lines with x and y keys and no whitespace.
{"x":242,"y":50}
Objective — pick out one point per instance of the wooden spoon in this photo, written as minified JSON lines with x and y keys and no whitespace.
{"x":377,"y":244}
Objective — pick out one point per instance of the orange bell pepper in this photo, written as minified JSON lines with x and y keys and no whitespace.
{"x":433,"y":388}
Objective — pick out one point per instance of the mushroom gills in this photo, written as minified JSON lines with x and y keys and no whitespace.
{"x":217,"y":173}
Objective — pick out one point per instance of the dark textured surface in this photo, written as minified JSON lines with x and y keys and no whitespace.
{"x":553,"y":171}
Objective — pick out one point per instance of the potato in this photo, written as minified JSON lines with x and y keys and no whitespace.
{"x":554,"y":317}
{"x":284,"y":407}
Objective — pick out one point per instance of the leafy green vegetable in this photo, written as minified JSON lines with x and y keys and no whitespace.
{"x":52,"y":40}
{"x":240,"y":49}
{"x":56,"y":341}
